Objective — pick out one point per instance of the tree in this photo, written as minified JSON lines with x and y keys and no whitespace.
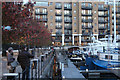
{"x":24,"y":29}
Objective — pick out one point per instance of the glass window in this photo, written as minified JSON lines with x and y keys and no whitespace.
{"x":74,"y":4}
{"x":89,"y":17}
{"x":74,"y":11}
{"x":83,"y":4}
{"x":67,"y":5}
{"x":100,"y":13}
{"x":37,"y":10}
{"x":58,"y":17}
{"x":44,"y":10}
{"x":74,"y":30}
{"x":58,"y":12}
{"x":89,"y":5}
{"x":51,"y":24}
{"x":51,"y":3}
{"x":89,"y":11}
{"x":51,"y":10}
{"x":83,"y":11}
{"x":74,"y":24}
{"x":74,"y":18}
{"x":51,"y":17}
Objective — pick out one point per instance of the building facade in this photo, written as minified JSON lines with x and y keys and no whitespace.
{"x":75,"y":23}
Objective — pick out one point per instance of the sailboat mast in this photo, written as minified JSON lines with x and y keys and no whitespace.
{"x":114,"y":22}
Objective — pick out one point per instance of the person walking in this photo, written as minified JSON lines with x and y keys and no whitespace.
{"x":24,"y":60}
{"x":10,"y":59}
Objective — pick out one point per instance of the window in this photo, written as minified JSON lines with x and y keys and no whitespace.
{"x":51,"y":17}
{"x":89,"y":17}
{"x":95,"y":12}
{"x":58,"y":5}
{"x":58,"y":24}
{"x":51,"y":24}
{"x":58,"y":12}
{"x":83,"y":11}
{"x":83,"y":4}
{"x":44,"y":10}
{"x":89,"y":5}
{"x":67,"y":5}
{"x":100,"y":13}
{"x":89,"y":12}
{"x":67,"y":12}
{"x":37,"y":10}
{"x":89,"y":24}
{"x":106,"y":56}
{"x":74,"y":18}
{"x":83,"y":17}
{"x":74,"y":24}
{"x":74,"y":4}
{"x":58,"y":17}
{"x":51,"y":10}
{"x":74,"y":11}
{"x":95,"y":31}
{"x":50,"y":3}
{"x":74,"y":30}
{"x":95,"y":5}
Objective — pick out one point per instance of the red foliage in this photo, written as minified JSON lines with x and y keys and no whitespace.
{"x":24,"y":30}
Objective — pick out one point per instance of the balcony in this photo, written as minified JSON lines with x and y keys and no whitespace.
{"x":56,"y":14}
{"x":86,"y":27}
{"x":101,"y":34}
{"x":102,"y":9}
{"x":68,"y":27}
{"x":70,"y":14}
{"x":58,"y":27}
{"x":68,"y":21}
{"x":102,"y":22}
{"x":58,"y":20}
{"x":41,"y":13}
{"x":102,"y":28}
{"x":67,"y":8}
{"x":58,"y":7}
{"x":87,"y":20}
{"x":86,"y":14}
{"x":86,"y":34}
{"x":105,"y":15}
{"x":86,"y":7}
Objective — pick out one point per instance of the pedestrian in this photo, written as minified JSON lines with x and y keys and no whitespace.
{"x":10,"y":59}
{"x":24,"y":60}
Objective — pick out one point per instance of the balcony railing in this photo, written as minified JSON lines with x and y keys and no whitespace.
{"x":86,"y":14}
{"x":41,"y":13}
{"x":58,"y":27}
{"x":68,"y":21}
{"x":86,"y":27}
{"x":105,"y":15}
{"x":58,"y":7}
{"x":58,"y":20}
{"x":87,"y":7}
{"x":87,"y":20}
{"x":102,"y":22}
{"x":102,"y":9}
